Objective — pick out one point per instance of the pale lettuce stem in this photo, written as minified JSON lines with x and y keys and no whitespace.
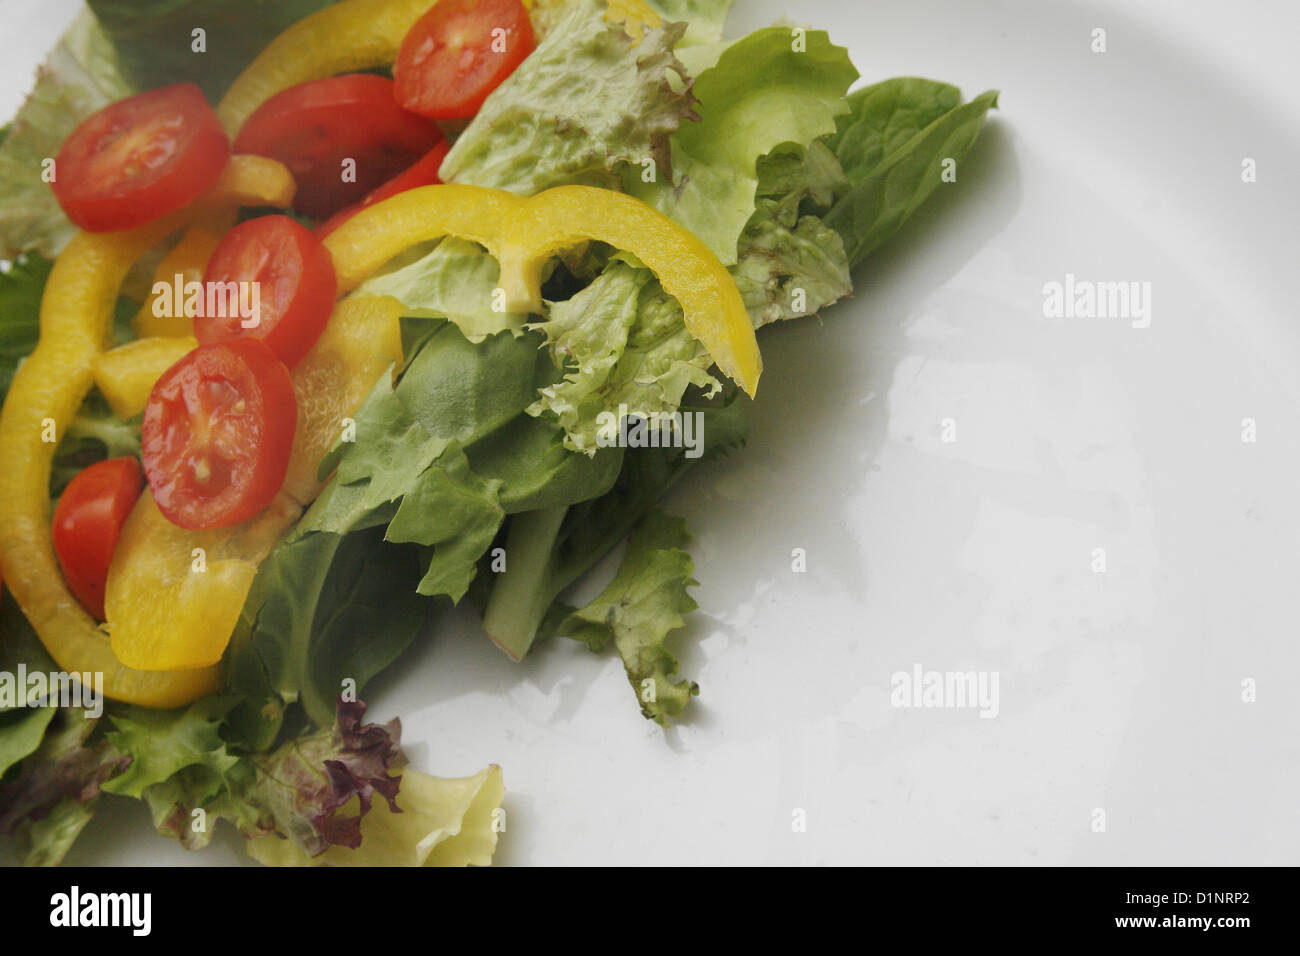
{"x":523,"y":592}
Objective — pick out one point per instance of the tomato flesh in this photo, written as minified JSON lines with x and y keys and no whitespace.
{"x":458,"y":53}
{"x":315,"y":128}
{"x":423,"y":173}
{"x":217,"y":434}
{"x":139,"y":159}
{"x":87,"y":522}
{"x":295,"y":287}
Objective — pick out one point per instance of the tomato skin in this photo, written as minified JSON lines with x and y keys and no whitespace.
{"x":217,"y":434}
{"x":313,"y":127}
{"x":447,"y":66}
{"x":295,"y":279}
{"x":140,"y":158}
{"x":87,"y":522}
{"x":423,"y":173}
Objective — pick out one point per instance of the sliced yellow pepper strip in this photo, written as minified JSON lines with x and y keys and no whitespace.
{"x":187,"y":260}
{"x":343,"y":38}
{"x":47,"y":390}
{"x":174,"y":596}
{"x":126,"y":375}
{"x":562,"y":217}
{"x":378,"y":233}
{"x":363,"y":340}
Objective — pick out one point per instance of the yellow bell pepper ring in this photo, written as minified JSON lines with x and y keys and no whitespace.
{"x":524,"y":234}
{"x":377,"y":233}
{"x":565,"y":216}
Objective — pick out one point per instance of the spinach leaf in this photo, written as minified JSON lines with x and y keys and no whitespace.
{"x":324,"y":607}
{"x":880,"y":200}
{"x":155,"y":38}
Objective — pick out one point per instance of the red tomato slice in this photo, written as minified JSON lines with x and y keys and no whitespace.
{"x":87,"y":522}
{"x":140,"y":158}
{"x":458,"y":53}
{"x":217,"y":434}
{"x":314,"y":127}
{"x":295,"y":287}
{"x":423,"y":173}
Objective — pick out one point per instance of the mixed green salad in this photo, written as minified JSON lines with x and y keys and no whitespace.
{"x":514,"y":445}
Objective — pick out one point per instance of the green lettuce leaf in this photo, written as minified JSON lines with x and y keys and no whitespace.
{"x":881,"y":199}
{"x":19,"y":645}
{"x":551,"y":548}
{"x":80,"y":76}
{"x":94,"y":434}
{"x":644,"y":603}
{"x":584,"y":104}
{"x":619,"y":342}
{"x":456,"y":513}
{"x":761,"y":93}
{"x":790,"y":263}
{"x":53,"y":795}
{"x":21,"y":288}
{"x":155,"y":43}
{"x":21,"y":731}
{"x":295,"y":793}
{"x":882,"y":117}
{"x":179,"y":762}
{"x":533,"y":468}
{"x":160,"y":743}
{"x":441,"y":823}
{"x":415,"y":467}
{"x":789,"y":269}
{"x":324,"y":608}
{"x":454,"y":280}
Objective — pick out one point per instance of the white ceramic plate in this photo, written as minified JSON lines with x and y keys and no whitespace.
{"x":1120,"y":690}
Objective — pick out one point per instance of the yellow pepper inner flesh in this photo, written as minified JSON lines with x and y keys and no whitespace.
{"x":363,"y":340}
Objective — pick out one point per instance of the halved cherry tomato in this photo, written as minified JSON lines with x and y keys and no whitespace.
{"x":140,"y":158}
{"x":87,"y":521}
{"x":423,"y":173}
{"x":217,"y":434}
{"x":295,"y":288}
{"x":458,"y":53}
{"x":314,"y":128}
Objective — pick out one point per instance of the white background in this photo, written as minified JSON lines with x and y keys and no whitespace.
{"x":1119,"y":691}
